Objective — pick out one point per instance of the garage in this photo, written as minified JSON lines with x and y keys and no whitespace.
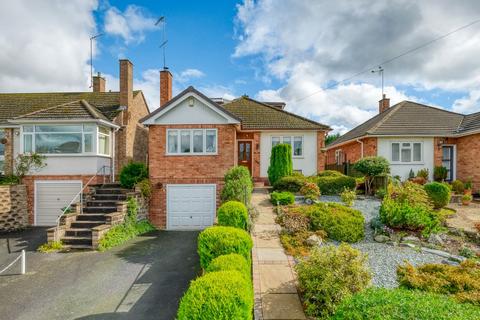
{"x":190,"y":206}
{"x":51,"y":197}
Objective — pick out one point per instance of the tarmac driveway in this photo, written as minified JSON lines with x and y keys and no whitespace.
{"x":143,"y":279}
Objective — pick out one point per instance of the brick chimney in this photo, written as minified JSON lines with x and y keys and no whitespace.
{"x":98,"y":83}
{"x":383,"y":104}
{"x":126,"y":88}
{"x":165,"y":86}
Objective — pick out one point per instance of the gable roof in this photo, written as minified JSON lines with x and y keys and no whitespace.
{"x":14,"y":105}
{"x":179,"y":97}
{"x":409,"y":118}
{"x":256,"y":115}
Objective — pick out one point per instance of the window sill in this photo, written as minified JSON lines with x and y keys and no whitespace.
{"x":408,"y":163}
{"x":190,"y":154}
{"x":71,"y":155}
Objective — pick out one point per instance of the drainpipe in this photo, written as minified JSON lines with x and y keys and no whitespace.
{"x":361,"y":148}
{"x":114,"y":147}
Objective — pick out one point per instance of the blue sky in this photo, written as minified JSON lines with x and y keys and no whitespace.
{"x":269,"y":49}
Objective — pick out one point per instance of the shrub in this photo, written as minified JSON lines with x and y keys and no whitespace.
{"x":329,"y":275}
{"x":380,"y":193}
{"x":399,"y":304}
{"x":282,"y":198}
{"x":219,"y":295}
{"x":293,"y":222}
{"x":28,"y":163}
{"x":233,"y":214}
{"x":462,"y":282}
{"x":372,"y":167}
{"x":132,"y":210}
{"x":440,"y":174}
{"x":296,"y":244}
{"x":9,"y":179}
{"x":335,"y":184}
{"x":410,"y":193}
{"x":330,"y":173}
{"x":439,"y":193}
{"x":50,"y":247}
{"x":468,"y":184}
{"x":458,"y":186}
{"x":289,"y":183}
{"x":133,"y":173}
{"x":230,"y":262}
{"x":238,"y":185}
{"x":123,"y":232}
{"x":423,"y":173}
{"x":348,"y":197}
{"x":310,"y":191}
{"x":281,"y":164}
{"x":216,"y":241}
{"x":145,"y":188}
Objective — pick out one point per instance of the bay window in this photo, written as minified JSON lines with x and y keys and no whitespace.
{"x":406,"y":152}
{"x":296,"y":142}
{"x":191,"y":141}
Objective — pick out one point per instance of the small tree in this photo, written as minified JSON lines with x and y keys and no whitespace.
{"x":28,"y":162}
{"x":372,"y":167}
{"x":281,"y":164}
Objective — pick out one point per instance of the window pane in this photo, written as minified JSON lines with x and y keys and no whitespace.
{"x":211,"y":141}
{"x":88,"y":142}
{"x":66,"y":128}
{"x":27,"y":143}
{"x":406,"y":155}
{"x":197,"y":140}
{"x":172,"y":141}
{"x":395,"y":152}
{"x":417,"y":152}
{"x":275,"y":141}
{"x":2,"y":146}
{"x":297,"y":146}
{"x":88,"y":127}
{"x":27,"y":128}
{"x":58,"y":143}
{"x":103,"y":130}
{"x":104,"y":145}
{"x":184,"y":141}
{"x":287,"y":140}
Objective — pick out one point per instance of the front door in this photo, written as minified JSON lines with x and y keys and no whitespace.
{"x":245,"y":154}
{"x":448,"y":161}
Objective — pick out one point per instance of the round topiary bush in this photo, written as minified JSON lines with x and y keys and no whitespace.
{"x":289,"y":183}
{"x":216,"y":241}
{"x":217,"y":295}
{"x":282,"y":198}
{"x":229,"y":262}
{"x":133,"y":173}
{"x":330,"y":173}
{"x":233,"y":214}
{"x":398,"y":304}
{"x":439,"y":193}
{"x":458,"y":186}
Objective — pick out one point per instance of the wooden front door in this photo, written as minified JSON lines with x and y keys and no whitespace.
{"x":245,"y":154}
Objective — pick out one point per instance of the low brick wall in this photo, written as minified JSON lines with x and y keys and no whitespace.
{"x":13,"y":207}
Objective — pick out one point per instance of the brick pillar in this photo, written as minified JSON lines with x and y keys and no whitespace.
{"x":98,"y":83}
{"x":320,"y":153}
{"x":126,"y":88}
{"x":165,"y":86}
{"x":383,"y":104}
{"x":8,"y":164}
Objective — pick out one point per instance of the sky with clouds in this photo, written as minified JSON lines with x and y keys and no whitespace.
{"x":289,"y":50}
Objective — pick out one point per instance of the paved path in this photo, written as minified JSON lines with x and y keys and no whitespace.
{"x":143,"y":279}
{"x":276,"y":294}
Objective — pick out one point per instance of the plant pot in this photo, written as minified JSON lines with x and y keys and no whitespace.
{"x":467,"y":191}
{"x":465,"y":202}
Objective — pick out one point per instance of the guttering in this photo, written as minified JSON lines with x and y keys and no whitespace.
{"x":49,"y":121}
{"x":361,"y":147}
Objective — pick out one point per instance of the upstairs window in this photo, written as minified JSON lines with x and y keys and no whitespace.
{"x":295,"y":141}
{"x":191,"y":141}
{"x":406,"y":152}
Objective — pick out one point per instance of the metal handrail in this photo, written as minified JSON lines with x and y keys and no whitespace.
{"x":80,"y":193}
{"x":22,"y":259}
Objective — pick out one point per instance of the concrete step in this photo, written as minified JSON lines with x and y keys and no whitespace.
{"x":77,"y":247}
{"x":101,"y":203}
{"x":86,"y":224}
{"x":69,"y":240}
{"x":99,"y":209}
{"x":111,"y":191}
{"x":111,"y":197}
{"x":91,"y":217}
{"x":78,"y":232}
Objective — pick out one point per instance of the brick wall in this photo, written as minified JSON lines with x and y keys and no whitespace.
{"x":321,"y":154}
{"x":201,"y":169}
{"x":468,"y":165}
{"x":13,"y":207}
{"x":9,"y":164}
{"x":353,"y":151}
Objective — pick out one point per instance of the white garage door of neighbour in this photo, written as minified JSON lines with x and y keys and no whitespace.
{"x":190,"y":207}
{"x":51,"y":197}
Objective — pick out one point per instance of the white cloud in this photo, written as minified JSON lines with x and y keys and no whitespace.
{"x":130,"y":25}
{"x":188,"y":74}
{"x":218,"y":91}
{"x":311,"y":44}
{"x":468,"y":104}
{"x":44,"y":45}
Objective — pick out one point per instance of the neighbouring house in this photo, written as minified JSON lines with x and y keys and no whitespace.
{"x":413,"y":136}
{"x":194,"y":140}
{"x":85,"y":136}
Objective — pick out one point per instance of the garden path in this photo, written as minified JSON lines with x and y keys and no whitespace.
{"x":275,"y":287}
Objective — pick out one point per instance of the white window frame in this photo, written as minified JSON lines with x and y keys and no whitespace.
{"x":109,"y":136}
{"x":292,"y":139}
{"x":401,"y":147}
{"x":191,"y":153}
{"x":338,"y":156}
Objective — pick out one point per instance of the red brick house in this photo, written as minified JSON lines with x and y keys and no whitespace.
{"x":81,"y":134}
{"x":413,"y":136}
{"x":194,"y":140}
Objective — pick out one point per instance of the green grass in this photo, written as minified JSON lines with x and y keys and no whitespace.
{"x":124,"y":232}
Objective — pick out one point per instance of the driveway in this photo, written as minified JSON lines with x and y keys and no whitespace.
{"x":143,"y":279}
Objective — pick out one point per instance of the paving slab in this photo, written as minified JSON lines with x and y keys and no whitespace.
{"x":276,"y":279}
{"x":266,"y":240}
{"x":282,"y":306}
{"x":258,"y":228}
{"x":271,"y":256}
{"x":265,"y":218}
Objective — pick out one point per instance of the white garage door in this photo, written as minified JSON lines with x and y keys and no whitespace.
{"x":190,"y":207}
{"x":51,"y":197}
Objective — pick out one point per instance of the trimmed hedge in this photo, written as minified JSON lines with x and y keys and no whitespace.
{"x":238,"y":185}
{"x":290,"y":183}
{"x":229,"y":262}
{"x":221,"y":295}
{"x":281,"y":164}
{"x":330,"y":173}
{"x":330,"y":185}
{"x":398,"y":304}
{"x":282,"y":198}
{"x":233,"y":214}
{"x":133,"y":173}
{"x":218,"y":240}
{"x":439,"y":193}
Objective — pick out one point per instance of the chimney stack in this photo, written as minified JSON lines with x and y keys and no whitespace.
{"x":383,"y":104}
{"x":98,"y":83}
{"x":126,"y":83}
{"x":165,"y":86}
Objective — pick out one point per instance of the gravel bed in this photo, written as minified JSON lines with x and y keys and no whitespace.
{"x":383,"y":258}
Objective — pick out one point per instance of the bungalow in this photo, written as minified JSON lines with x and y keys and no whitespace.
{"x":413,"y":136}
{"x":194,"y":140}
{"x":84,"y":136}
